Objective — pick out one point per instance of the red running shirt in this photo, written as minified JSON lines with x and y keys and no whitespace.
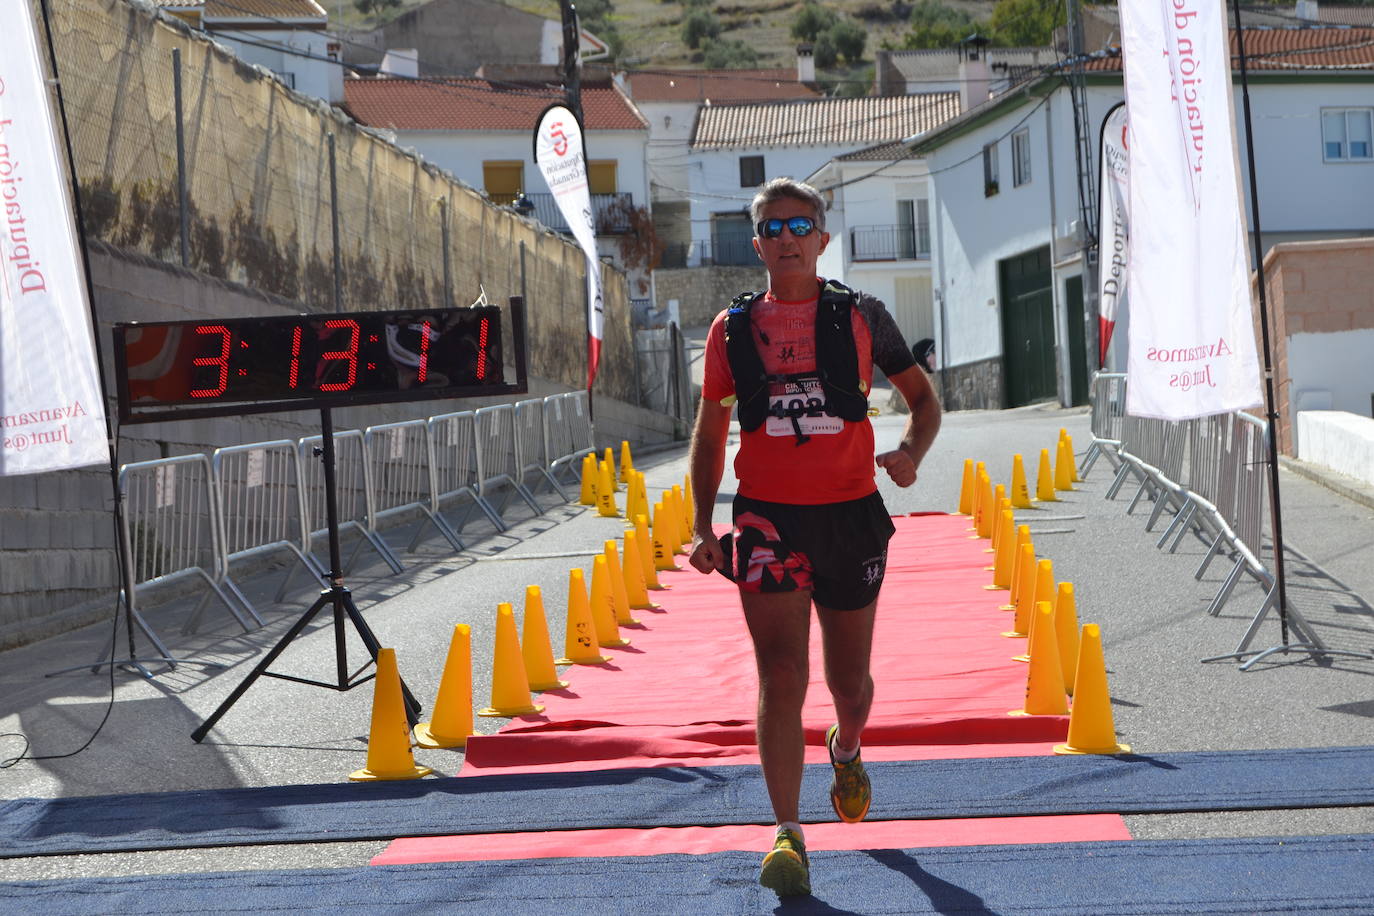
{"x":835,"y":463}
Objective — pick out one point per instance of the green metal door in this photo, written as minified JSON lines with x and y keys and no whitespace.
{"x":1078,"y":347}
{"x":1028,"y":327}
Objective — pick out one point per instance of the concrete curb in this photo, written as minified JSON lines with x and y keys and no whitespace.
{"x":1349,"y":487}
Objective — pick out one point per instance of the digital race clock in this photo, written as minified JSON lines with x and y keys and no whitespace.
{"x":176,"y":370}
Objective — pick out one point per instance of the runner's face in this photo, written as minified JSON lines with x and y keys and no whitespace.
{"x":788,"y":257}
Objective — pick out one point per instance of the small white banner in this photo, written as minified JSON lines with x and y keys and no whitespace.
{"x":1192,"y":338}
{"x":1113,"y":227}
{"x":52,"y":415}
{"x":559,"y":153}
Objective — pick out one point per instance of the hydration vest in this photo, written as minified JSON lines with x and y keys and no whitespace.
{"x":837,"y":364}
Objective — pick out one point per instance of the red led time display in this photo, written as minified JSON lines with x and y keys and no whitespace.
{"x":170,"y":370}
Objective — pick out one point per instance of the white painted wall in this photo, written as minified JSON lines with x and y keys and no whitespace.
{"x":322,"y":79}
{"x":1332,"y":371}
{"x":669,"y":148}
{"x":1338,"y":440}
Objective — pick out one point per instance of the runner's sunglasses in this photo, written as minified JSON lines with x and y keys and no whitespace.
{"x":799,"y":226}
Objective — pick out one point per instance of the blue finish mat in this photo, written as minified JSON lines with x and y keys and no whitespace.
{"x":1329,"y":874}
{"x":674,"y":796}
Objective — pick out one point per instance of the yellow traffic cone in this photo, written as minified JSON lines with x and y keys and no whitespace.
{"x":1044,"y":479}
{"x":982,"y":489}
{"x":579,"y":643}
{"x":663,"y":544}
{"x":626,"y":464}
{"x":609,"y":458}
{"x":451,"y":722}
{"x":388,"y":740}
{"x":1091,"y":729}
{"x":1073,"y":463}
{"x":1023,"y":539}
{"x":1045,"y":679}
{"x":1063,"y":466}
{"x":1025,"y":594}
{"x":646,"y":554}
{"x":620,"y":596}
{"x":589,"y":475}
{"x":687,"y":499}
{"x":636,"y":591}
{"x":1044,"y":591}
{"x":603,"y":614}
{"x":636,"y":497}
{"x":510,"y":686}
{"x":1066,"y":629}
{"x":991,"y":516}
{"x":683,"y":528}
{"x":605,"y":493}
{"x":535,"y":646}
{"x":966,"y":489}
{"x":1020,"y":496}
{"x":1005,"y":557}
{"x":978,"y":473}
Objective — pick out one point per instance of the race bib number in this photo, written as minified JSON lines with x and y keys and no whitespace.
{"x":804,"y":399}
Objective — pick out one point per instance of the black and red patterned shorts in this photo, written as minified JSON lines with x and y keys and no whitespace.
{"x":837,"y":551}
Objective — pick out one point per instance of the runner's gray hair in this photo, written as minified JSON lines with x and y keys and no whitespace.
{"x":777,"y":189}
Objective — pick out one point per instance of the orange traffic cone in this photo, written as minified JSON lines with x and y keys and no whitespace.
{"x":1063,"y":466}
{"x":1005,"y":555}
{"x":1073,"y":464}
{"x":603,"y":614}
{"x":1045,"y":679}
{"x":673,"y":532}
{"x":992,"y":516}
{"x":1091,"y":729}
{"x":1042,"y":593}
{"x":1020,"y":496}
{"x":979,"y":472}
{"x":620,"y":596}
{"x":663,"y":540}
{"x":684,"y":530}
{"x":1044,"y":479}
{"x":635,"y":589}
{"x":535,"y":646}
{"x":688,"y":501}
{"x":579,"y":642}
{"x":626,"y":465}
{"x":510,"y":686}
{"x":646,"y":554}
{"x":1066,"y":629}
{"x":609,"y":459}
{"x":605,"y":493}
{"x":452,"y":720}
{"x":1022,"y":539}
{"x":388,"y":741}
{"x":634,"y":501}
{"x":966,"y":489}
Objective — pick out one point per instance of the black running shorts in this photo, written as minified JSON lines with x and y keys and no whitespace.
{"x":837,"y":551}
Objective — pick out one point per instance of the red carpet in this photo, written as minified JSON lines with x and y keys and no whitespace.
{"x":701,"y":840}
{"x":683,"y":692}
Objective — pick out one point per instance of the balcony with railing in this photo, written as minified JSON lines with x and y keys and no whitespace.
{"x":890,"y":243}
{"x":612,"y":211}
{"x":722,"y":252}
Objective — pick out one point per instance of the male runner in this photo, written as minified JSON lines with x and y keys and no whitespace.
{"x":809,"y":524}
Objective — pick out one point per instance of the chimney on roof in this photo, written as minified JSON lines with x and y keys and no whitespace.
{"x":400,"y":62}
{"x":1307,"y":10}
{"x":806,"y":64}
{"x":975,"y":80}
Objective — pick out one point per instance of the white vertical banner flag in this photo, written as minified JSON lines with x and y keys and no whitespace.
{"x":559,"y":154}
{"x":1192,"y":340}
{"x":52,"y":415}
{"x":1113,"y":227}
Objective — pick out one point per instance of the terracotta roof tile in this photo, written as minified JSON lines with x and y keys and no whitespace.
{"x":1287,"y":49}
{"x":823,"y":122}
{"x":717,"y":85}
{"x":475,"y":104}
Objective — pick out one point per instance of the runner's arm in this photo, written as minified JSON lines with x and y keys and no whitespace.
{"x":921,"y":426}
{"x":707,"y":465}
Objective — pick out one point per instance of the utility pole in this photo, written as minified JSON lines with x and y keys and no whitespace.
{"x":572,"y":62}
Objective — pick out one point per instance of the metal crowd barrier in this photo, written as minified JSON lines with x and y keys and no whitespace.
{"x":496,"y":458}
{"x":171,"y":531}
{"x":352,"y":491}
{"x":261,"y":509}
{"x":1245,"y":523}
{"x":399,"y":457}
{"x":1107,"y":398}
{"x":197,"y":516}
{"x":529,"y":448}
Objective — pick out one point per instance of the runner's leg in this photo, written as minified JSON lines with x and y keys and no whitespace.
{"x":847,"y":643}
{"x":779,"y":623}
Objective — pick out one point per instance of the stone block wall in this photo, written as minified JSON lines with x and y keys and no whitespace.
{"x":702,"y":292}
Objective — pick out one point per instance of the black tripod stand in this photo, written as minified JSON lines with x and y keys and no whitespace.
{"x":337,"y":597}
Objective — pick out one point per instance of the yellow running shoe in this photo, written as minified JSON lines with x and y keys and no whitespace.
{"x":785,"y":869}
{"x":850,"y":792}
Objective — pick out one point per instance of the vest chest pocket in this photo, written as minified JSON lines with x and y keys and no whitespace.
{"x":803,"y":401}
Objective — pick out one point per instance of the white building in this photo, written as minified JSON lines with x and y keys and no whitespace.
{"x":1013,"y":322}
